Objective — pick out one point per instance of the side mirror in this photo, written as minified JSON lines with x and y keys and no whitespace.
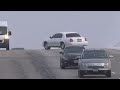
{"x":9,"y":33}
{"x":111,"y":56}
{"x":60,"y":52}
{"x":50,"y":37}
{"x":79,"y":57}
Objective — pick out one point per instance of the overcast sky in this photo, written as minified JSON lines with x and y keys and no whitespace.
{"x":30,"y":28}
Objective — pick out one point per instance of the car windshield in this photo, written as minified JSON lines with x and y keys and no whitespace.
{"x":3,"y":30}
{"x":72,"y":35}
{"x":73,"y":49}
{"x":91,"y":54}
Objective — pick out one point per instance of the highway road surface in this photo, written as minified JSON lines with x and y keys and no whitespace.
{"x":42,"y":64}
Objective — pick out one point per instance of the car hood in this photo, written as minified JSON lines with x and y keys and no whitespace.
{"x":95,"y":60}
{"x":72,"y":55}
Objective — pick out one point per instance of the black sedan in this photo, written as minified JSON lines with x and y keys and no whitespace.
{"x":70,"y":55}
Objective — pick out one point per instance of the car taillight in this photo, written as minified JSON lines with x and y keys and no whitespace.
{"x":71,"y":40}
{"x":85,"y":39}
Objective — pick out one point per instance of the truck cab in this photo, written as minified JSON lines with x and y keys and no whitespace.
{"x":4,"y":35}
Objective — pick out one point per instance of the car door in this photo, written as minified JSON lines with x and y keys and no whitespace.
{"x":58,"y":39}
{"x":52,"y":40}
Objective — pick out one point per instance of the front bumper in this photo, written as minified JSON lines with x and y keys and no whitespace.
{"x":4,"y":43}
{"x":70,"y":62}
{"x":85,"y":43}
{"x":94,"y":72}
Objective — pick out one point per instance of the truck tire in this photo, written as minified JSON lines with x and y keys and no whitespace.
{"x":7,"y":44}
{"x":7,"y":48}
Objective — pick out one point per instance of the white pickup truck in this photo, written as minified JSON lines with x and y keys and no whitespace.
{"x":4,"y":35}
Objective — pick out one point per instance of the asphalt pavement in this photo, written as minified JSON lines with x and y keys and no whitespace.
{"x":44,"y":64}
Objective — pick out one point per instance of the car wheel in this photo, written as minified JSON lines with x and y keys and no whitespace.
{"x":80,"y":74}
{"x":62,"y":45}
{"x":108,"y":74}
{"x":62,"y":66}
{"x":46,"y":46}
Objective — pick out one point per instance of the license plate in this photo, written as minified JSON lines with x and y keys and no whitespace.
{"x":79,"y":40}
{"x":95,"y":70}
{"x":75,"y":61}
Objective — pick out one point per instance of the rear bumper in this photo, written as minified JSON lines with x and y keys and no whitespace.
{"x":85,"y":43}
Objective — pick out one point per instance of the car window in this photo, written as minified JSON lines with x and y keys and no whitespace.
{"x":91,"y":54}
{"x":72,"y":35}
{"x":58,"y":35}
{"x":3,"y":30}
{"x":54,"y":36}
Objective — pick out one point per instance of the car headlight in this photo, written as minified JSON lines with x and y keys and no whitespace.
{"x":84,"y":64}
{"x":6,"y":37}
{"x":107,"y":65}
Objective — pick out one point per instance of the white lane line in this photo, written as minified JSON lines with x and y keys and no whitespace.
{"x":113,"y":73}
